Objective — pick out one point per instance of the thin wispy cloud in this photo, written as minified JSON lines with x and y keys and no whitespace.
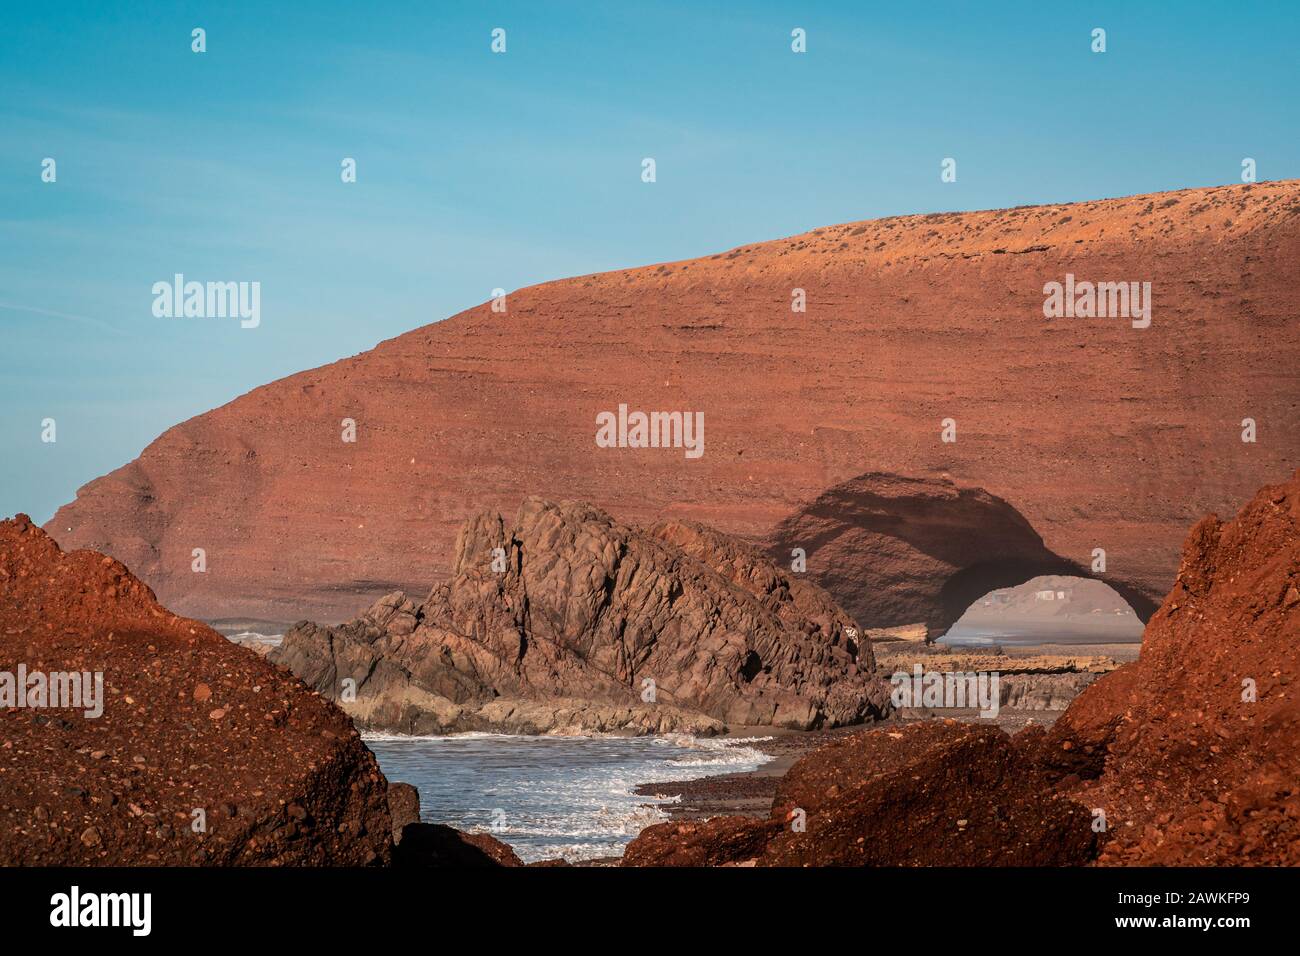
{"x":71,"y":317}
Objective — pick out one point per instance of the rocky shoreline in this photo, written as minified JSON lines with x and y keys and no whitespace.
{"x":1185,"y":756}
{"x":209,"y":754}
{"x":567,"y":621}
{"x":750,"y":793}
{"x":142,"y":738}
{"x":487,"y":652}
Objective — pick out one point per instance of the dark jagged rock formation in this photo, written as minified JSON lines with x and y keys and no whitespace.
{"x":1193,"y":751}
{"x":203,"y":752}
{"x":1099,"y":434}
{"x":569,"y":619}
{"x":932,"y":794}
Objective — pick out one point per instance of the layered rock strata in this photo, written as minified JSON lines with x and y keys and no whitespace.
{"x":1085,"y":433}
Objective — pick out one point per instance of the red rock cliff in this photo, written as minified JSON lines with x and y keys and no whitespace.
{"x":1085,"y":432}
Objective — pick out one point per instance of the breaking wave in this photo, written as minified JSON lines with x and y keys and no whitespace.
{"x":548,"y":797}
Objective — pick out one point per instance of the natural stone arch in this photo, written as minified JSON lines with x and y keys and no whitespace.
{"x":896,"y":550}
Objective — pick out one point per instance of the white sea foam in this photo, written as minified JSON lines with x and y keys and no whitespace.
{"x":553,"y":796}
{"x":254,"y":637}
{"x":433,"y":738}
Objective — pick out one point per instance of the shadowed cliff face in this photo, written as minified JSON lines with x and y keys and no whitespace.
{"x":899,"y":551}
{"x":1096,"y":433}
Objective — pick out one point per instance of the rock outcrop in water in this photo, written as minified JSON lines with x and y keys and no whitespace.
{"x":1095,"y":433}
{"x":203,"y":753}
{"x":568,"y":620}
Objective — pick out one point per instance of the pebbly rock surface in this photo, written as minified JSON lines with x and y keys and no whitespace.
{"x":1193,"y":751}
{"x":910,"y":320}
{"x":193,"y":729}
{"x":932,"y":794}
{"x":929,"y":794}
{"x":568,"y":620}
{"x":403,"y":808}
{"x":721,"y":841}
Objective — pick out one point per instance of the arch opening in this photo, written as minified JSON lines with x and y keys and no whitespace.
{"x":1047,"y":609}
{"x":902,"y":552}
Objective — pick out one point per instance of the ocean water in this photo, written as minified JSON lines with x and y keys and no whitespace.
{"x":552,"y":797}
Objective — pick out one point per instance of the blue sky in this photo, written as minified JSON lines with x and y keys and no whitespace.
{"x":478,"y":170}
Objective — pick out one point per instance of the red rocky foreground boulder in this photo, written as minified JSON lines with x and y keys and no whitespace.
{"x":568,"y":619}
{"x":932,"y":794}
{"x":1188,"y":757}
{"x":1198,"y":742}
{"x":203,"y":753}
